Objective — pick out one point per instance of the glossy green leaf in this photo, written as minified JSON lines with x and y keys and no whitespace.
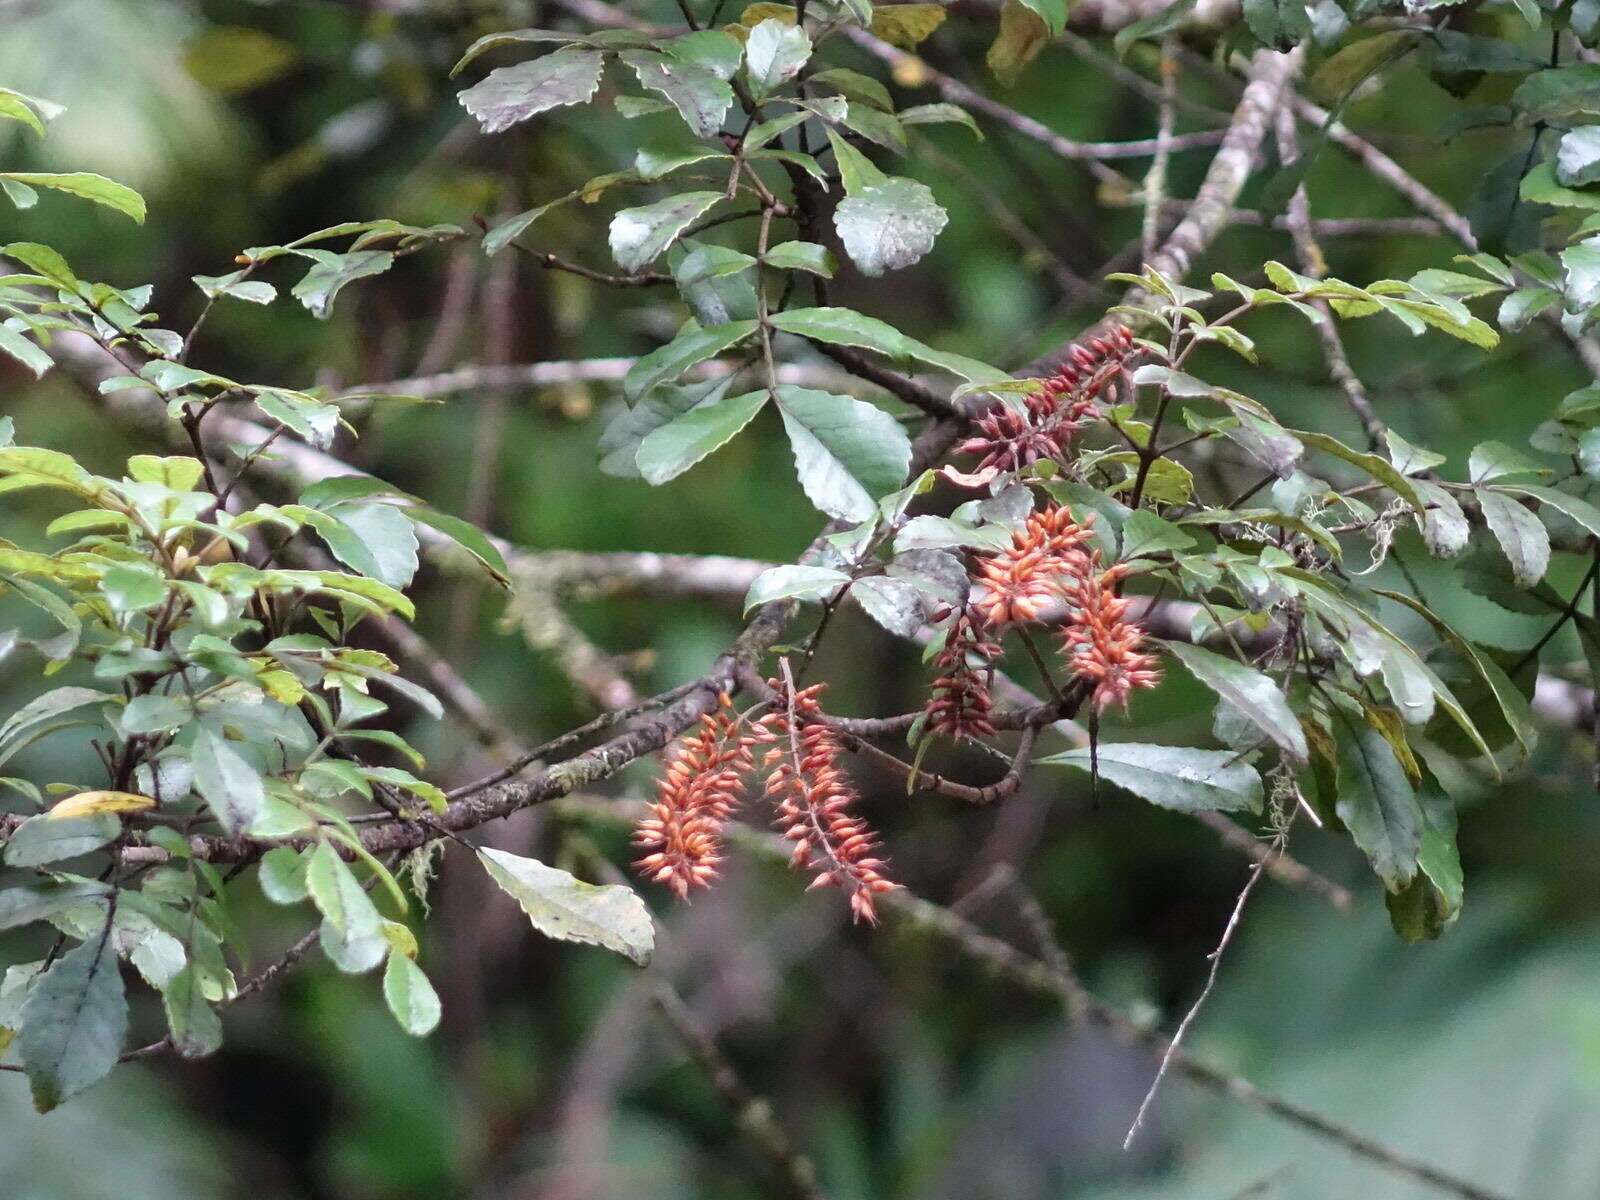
{"x":410,"y":996}
{"x":1175,"y":777}
{"x":98,"y":188}
{"x":231,"y":787}
{"x":1248,"y":692}
{"x":672,"y":449}
{"x":1377,"y":803}
{"x":794,"y":583}
{"x":847,"y":452}
{"x":640,"y":235}
{"x":73,"y":1023}
{"x":1521,"y":535}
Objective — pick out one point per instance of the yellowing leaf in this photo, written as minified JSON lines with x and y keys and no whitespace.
{"x":1022,"y":35}
{"x":757,"y":13}
{"x":281,"y":686}
{"x":86,"y":804}
{"x":906,"y":25}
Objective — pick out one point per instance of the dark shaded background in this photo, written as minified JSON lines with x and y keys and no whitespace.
{"x":905,"y":1071}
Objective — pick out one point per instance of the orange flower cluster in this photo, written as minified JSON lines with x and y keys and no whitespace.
{"x":961,"y":701}
{"x":1016,"y":585}
{"x":814,"y":799}
{"x":1047,"y":563}
{"x":1103,"y":645}
{"x":705,"y":771}
{"x":1010,"y":439}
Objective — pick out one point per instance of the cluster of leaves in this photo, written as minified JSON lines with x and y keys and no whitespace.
{"x":219,"y":688}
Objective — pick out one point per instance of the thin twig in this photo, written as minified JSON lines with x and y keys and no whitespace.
{"x":1171,"y":1052}
{"x":752,"y":1114}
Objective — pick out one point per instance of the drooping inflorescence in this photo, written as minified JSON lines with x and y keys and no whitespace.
{"x":705,"y":772}
{"x":814,"y":799}
{"x":961,"y":700}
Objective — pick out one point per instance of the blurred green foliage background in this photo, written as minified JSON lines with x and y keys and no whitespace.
{"x":906,"y":1072}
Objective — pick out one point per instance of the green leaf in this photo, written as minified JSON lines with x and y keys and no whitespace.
{"x":410,"y":996}
{"x":846,"y":327}
{"x":469,"y":537}
{"x":509,"y":37}
{"x":619,"y":444}
{"x":715,"y":51}
{"x":688,"y":348}
{"x":282,"y":875}
{"x":98,"y":188}
{"x":42,"y":260}
{"x":195,"y":1026}
{"x":1376,"y":802}
{"x":1490,"y":461}
{"x":1539,"y":186}
{"x":640,"y":235}
{"x":26,"y":903}
{"x":25,"y":352}
{"x":1144,"y":534}
{"x":73,"y":1023}
{"x":940,"y":114}
{"x":1248,"y":691}
{"x":154,"y":714}
{"x":774,"y":53}
{"x":1512,"y":705}
{"x":45,"y":839}
{"x":715,"y":282}
{"x":1578,"y":157}
{"x":563,"y":907}
{"x":230,"y":786}
{"x":389,"y":538}
{"x":318,"y":287}
{"x":1521,"y":535}
{"x":352,"y":926}
{"x":1581,"y":511}
{"x":889,"y":225}
{"x":672,"y":449}
{"x":509,"y":95}
{"x":700,"y":96}
{"x":1175,"y":777}
{"x":794,"y":583}
{"x":847,"y":452}
{"x":801,"y":256}
{"x":1378,"y":468}
{"x":253,"y":290}
{"x":1565,"y":95}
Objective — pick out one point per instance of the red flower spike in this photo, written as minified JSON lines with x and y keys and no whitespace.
{"x":961,"y":703}
{"x":705,"y":772}
{"x":814,"y":800}
{"x":1009,"y":439}
{"x":1102,"y":645}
